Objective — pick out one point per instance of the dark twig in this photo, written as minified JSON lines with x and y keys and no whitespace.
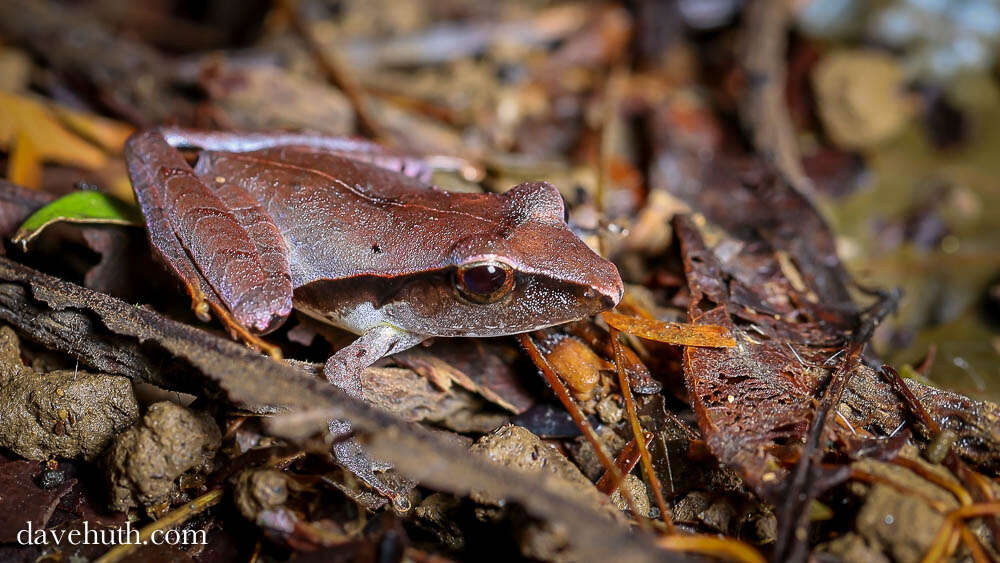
{"x":911,"y":401}
{"x":793,"y":510}
{"x":763,"y":109}
{"x":335,"y":73}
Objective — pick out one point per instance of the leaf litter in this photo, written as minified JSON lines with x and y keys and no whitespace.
{"x":731,"y":407}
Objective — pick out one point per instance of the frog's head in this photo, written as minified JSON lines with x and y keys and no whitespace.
{"x":529,"y":272}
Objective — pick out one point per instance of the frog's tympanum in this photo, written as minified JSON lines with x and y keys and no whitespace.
{"x":351,"y":234}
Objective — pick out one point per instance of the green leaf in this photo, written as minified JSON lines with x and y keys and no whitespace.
{"x":88,"y":207}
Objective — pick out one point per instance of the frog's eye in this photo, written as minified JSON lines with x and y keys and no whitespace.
{"x":484,"y":282}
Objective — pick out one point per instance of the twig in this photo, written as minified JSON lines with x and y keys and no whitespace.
{"x":866,"y":477}
{"x":763,"y":109}
{"x":978,"y":553}
{"x":911,"y":401}
{"x":956,"y":489}
{"x":637,"y":433}
{"x":581,"y":421}
{"x":173,"y":518}
{"x":625,"y":462}
{"x":335,"y":72}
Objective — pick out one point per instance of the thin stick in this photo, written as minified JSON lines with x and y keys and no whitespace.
{"x":955,"y":488}
{"x":173,"y":518}
{"x":978,"y":553}
{"x":335,"y":72}
{"x":581,"y":421}
{"x":865,"y":477}
{"x":911,"y":400}
{"x":942,"y":543}
{"x":625,"y":462}
{"x":633,"y":417}
{"x":722,"y":548}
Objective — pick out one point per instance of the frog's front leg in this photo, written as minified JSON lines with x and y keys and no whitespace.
{"x":344,"y":370}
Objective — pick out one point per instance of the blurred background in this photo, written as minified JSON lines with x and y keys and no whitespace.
{"x":883,"y":112}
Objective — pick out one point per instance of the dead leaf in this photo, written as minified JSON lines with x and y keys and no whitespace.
{"x":108,"y":134}
{"x":22,"y":502}
{"x":40,"y":124}
{"x":671,"y":333}
{"x":25,"y":165}
{"x":442,"y":375}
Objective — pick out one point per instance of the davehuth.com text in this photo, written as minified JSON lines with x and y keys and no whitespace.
{"x":108,"y":536}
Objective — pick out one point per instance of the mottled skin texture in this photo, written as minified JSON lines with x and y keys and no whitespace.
{"x":344,"y":220}
{"x":353,"y":235}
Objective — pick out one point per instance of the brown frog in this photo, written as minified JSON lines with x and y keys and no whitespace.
{"x":351,"y":234}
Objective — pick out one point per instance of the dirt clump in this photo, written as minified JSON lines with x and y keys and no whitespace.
{"x":145,"y":461}
{"x":60,"y":413}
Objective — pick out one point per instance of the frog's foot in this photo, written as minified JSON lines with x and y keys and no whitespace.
{"x":200,"y":306}
{"x":347,"y":452}
{"x":351,"y":456}
{"x":344,"y":370}
{"x":240,"y":332}
{"x":203,"y":307}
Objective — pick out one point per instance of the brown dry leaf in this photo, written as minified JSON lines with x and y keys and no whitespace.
{"x":749,"y":399}
{"x":41,"y":126}
{"x":22,"y":502}
{"x":442,"y":375}
{"x":710,"y":336}
{"x":106,"y":133}
{"x":24,"y":167}
{"x":430,"y":368}
{"x":488,"y":363}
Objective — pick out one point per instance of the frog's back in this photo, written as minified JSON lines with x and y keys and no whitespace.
{"x":342,"y":218}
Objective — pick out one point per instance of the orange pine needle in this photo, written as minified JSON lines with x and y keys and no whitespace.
{"x":978,"y":553}
{"x":955,"y":488}
{"x":581,"y":422}
{"x":637,"y":433}
{"x":625,"y":462}
{"x":943,"y":543}
{"x":722,"y":548}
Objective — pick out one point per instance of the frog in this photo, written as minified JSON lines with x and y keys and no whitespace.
{"x":354,"y":235}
